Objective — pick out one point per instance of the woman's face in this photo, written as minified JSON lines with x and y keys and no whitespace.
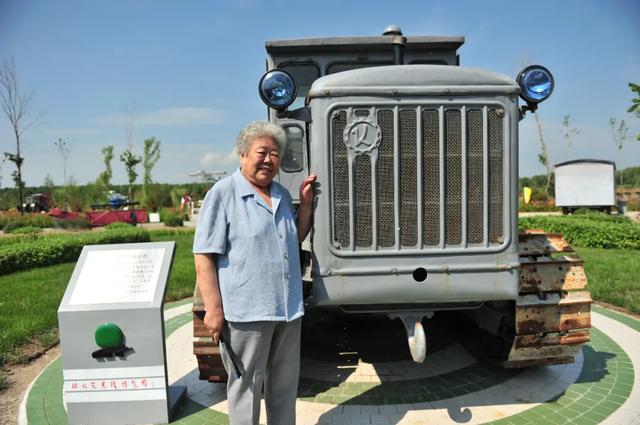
{"x":261,"y":163}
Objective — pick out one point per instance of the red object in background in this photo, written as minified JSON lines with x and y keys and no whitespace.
{"x":102,"y":218}
{"x":63,"y":215}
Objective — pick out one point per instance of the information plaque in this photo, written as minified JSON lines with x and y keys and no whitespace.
{"x":112,"y":336}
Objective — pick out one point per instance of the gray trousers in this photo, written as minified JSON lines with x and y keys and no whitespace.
{"x":266,"y":353}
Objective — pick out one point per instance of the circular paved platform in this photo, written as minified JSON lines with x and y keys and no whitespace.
{"x":344,"y":380}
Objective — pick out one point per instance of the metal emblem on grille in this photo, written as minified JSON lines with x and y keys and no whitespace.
{"x":362,"y":135}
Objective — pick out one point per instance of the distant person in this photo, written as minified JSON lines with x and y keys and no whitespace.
{"x":186,"y":201}
{"x":248,"y":271}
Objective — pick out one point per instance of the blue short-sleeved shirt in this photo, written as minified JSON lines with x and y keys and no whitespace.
{"x":257,"y":258}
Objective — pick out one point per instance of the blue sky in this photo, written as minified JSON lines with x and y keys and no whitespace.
{"x":190,"y":71}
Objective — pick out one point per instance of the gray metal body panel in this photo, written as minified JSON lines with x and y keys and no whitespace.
{"x":384,"y":276}
{"x":414,"y":80}
{"x":143,"y":326}
{"x":358,"y":43}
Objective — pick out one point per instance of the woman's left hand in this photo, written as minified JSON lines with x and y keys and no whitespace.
{"x":306,"y":190}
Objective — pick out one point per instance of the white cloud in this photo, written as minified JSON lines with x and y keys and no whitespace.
{"x":179,"y":116}
{"x":218,"y":159}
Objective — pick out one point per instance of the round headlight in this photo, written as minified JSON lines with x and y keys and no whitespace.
{"x":277,"y":89}
{"x":536,"y":83}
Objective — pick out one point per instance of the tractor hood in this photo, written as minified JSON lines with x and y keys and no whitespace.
{"x":410,"y":80}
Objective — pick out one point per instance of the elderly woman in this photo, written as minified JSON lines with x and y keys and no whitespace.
{"x":248,"y":270}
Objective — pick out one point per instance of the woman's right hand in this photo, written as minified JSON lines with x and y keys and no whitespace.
{"x":214,"y":321}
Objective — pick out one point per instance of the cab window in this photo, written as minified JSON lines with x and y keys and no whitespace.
{"x":292,"y":160}
{"x":304,"y":74}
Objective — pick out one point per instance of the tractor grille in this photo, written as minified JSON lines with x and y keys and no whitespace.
{"x":433,"y":181}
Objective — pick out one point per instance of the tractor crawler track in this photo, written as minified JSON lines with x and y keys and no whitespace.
{"x":552,"y":311}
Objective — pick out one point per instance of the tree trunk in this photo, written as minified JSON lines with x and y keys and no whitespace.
{"x":545,"y":153}
{"x":19,"y":170}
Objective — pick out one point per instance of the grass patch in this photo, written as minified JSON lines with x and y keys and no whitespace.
{"x":183,"y":273}
{"x":29,"y":300}
{"x":613,"y":276}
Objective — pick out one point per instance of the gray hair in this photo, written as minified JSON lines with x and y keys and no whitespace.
{"x":257,"y":129}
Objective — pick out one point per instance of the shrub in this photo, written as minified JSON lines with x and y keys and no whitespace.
{"x":537,"y":207}
{"x":8,"y":216}
{"x":46,"y":251}
{"x":118,"y":225}
{"x":633,"y":204}
{"x":14,"y":221}
{"x":171,"y":217}
{"x":165,"y":231}
{"x":173,"y":220}
{"x":593,"y":215}
{"x":72,"y":224}
{"x":14,"y":224}
{"x":41,"y":220}
{"x":27,"y":230}
{"x":590,"y":231}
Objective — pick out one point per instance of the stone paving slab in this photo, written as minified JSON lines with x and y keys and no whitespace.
{"x":452,"y":387}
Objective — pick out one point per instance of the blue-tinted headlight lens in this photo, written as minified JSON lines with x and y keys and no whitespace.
{"x":277,"y":89}
{"x":536,"y":83}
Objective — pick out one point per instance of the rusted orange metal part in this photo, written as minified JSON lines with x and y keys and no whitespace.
{"x":544,"y":275}
{"x":553,"y":312}
{"x":207,"y":352}
{"x":536,"y":242}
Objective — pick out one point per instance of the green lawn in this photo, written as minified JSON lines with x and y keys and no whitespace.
{"x":613,"y":276}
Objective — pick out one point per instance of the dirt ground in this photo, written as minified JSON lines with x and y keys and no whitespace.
{"x":19,"y":377}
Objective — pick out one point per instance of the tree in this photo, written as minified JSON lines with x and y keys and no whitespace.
{"x":619,"y":135}
{"x":48,"y":182}
{"x":16,"y":175}
{"x":568,"y":133}
{"x":543,"y":156}
{"x":129,"y":111}
{"x":48,"y":187}
{"x":16,"y":105}
{"x":635,"y":103}
{"x":150,"y":157}
{"x":130,"y":161}
{"x":64,"y":150}
{"x":104,"y":178}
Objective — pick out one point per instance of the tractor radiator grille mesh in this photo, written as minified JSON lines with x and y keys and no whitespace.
{"x":433,"y":178}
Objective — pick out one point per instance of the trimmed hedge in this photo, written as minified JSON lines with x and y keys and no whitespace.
{"x":72,"y":224}
{"x":591,"y":232}
{"x":587,"y":214}
{"x":172,"y":231}
{"x":13,"y":221}
{"x":29,"y":253}
{"x":26,"y":230}
{"x":118,"y":225}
